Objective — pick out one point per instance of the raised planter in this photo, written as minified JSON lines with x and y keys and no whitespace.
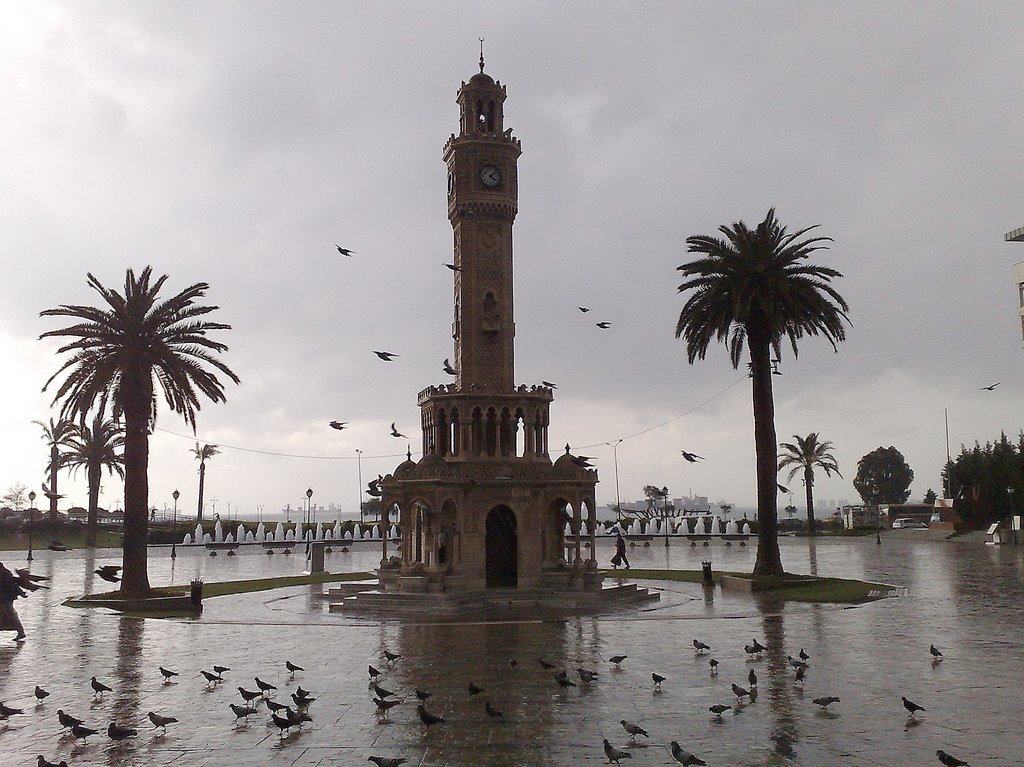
{"x":750,"y":584}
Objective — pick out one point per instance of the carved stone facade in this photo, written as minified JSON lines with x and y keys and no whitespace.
{"x":485,"y":506}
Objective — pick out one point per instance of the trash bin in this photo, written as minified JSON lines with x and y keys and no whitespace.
{"x":316,"y":556}
{"x":706,"y":566}
{"x":196,"y":594}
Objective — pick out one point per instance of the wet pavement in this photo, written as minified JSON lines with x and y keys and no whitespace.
{"x":960,"y":595}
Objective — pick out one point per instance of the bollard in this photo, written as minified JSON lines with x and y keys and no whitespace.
{"x":196,"y":595}
{"x":707,"y":572}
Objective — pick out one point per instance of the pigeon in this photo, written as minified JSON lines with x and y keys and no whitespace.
{"x":795,"y":662}
{"x":825,"y":701}
{"x":249,"y":695}
{"x":344,"y":251}
{"x":265,"y":687}
{"x":40,"y":693}
{"x":454,"y":267}
{"x":301,"y":693}
{"x":718,"y":709}
{"x":713,"y":664}
{"x":161,"y":721}
{"x":700,"y":647}
{"x":374,"y":673}
{"x":692,"y":457}
{"x":81,"y":732}
{"x":381,"y":692}
{"x":613,"y":754}
{"x":582,"y":461}
{"x":545,"y":665}
{"x":274,"y":706}
{"x":99,"y":688}
{"x":66,"y":720}
{"x":392,"y":657}
{"x":912,"y":707}
{"x":549,"y":384}
{"x":683,"y":756}
{"x":986,"y":388}
{"x":116,"y":732}
{"x":491,"y":710}
{"x":803,"y":656}
{"x":752,"y":678}
{"x":474,"y":690}
{"x":603,"y":325}
{"x":583,"y":309}
{"x":799,"y":678}
{"x":386,"y":356}
{"x":339,"y":425}
{"x":283,"y":723}
{"x":109,"y":573}
{"x":586,"y":675}
{"x":302,"y":701}
{"x":7,"y":711}
{"x":422,"y":694}
{"x":383,"y":761}
{"x":633,"y":729}
{"x":373,"y":489}
{"x":782,"y":488}
{"x":948,"y":759}
{"x":384,"y":705}
{"x":28,"y":581}
{"x":617,"y":659}
{"x":936,"y":653}
{"x":242,"y":712}
{"x":41,"y":762}
{"x":292,"y":668}
{"x":512,"y":663}
{"x":750,"y":650}
{"x":211,"y":679}
{"x":758,"y":647}
{"x":395,"y":432}
{"x":219,"y":670}
{"x":564,"y":681}
{"x":426,"y":717}
{"x":739,"y":692}
{"x":449,"y":369}
{"x":658,"y":679}
{"x":167,"y":674}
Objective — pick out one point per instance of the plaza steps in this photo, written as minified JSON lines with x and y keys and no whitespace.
{"x":366,"y":598}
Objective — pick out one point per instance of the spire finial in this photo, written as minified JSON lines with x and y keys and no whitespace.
{"x":481,"y":54}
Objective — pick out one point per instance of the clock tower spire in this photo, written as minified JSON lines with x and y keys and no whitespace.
{"x":482,"y":204}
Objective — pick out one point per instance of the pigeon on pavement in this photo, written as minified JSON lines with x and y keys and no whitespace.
{"x":474,"y":690}
{"x":613,"y":754}
{"x":713,"y":664}
{"x":265,"y":687}
{"x":292,"y":668}
{"x":242,"y":712}
{"x":758,"y":647}
{"x":274,"y":706}
{"x":586,"y":675}
{"x":7,"y":711}
{"x":563,"y":680}
{"x":912,"y":707}
{"x":211,"y":678}
{"x":739,"y":692}
{"x":658,"y":679}
{"x":825,"y":701}
{"x":718,"y":709}
{"x":752,"y":678}
{"x":700,"y":647}
{"x":116,"y":732}
{"x":683,"y":756}
{"x":936,"y":653}
{"x":799,"y":678}
{"x":949,"y":760}
{"x":803,"y":656}
{"x":392,"y":657}
{"x":161,"y":721}
{"x":381,"y":692}
{"x":383,"y":706}
{"x":42,"y":762}
{"x":249,"y":695}
{"x":99,"y":688}
{"x":426,"y":717}
{"x":40,"y":693}
{"x":167,"y":674}
{"x":422,"y":694}
{"x":633,"y":729}
{"x":374,"y":673}
{"x":66,"y":720}
{"x":617,"y":659}
{"x":492,"y":711}
{"x":545,"y":665}
{"x":219,"y":670}
{"x":82,"y":732}
{"x":383,"y":761}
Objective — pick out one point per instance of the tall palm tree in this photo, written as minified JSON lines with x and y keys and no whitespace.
{"x":95,"y":448}
{"x":203,"y":454}
{"x":752,"y":287}
{"x":804,"y":455}
{"x":118,"y":353}
{"x":55,"y":434}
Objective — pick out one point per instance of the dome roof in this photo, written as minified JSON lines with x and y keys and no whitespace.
{"x":481,"y":78}
{"x":565,"y":461}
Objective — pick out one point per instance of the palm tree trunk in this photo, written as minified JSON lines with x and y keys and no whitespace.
{"x":202,"y":479}
{"x":769,"y":561}
{"x":809,"y":487}
{"x":54,"y":459}
{"x":135,"y":578}
{"x":94,"y":475}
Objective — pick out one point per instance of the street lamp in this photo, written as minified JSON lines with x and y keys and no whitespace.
{"x":32,"y":506}
{"x":878,"y":517}
{"x":174,"y":524}
{"x":309,"y":504}
{"x":618,"y":501}
{"x":359,"y":468}
{"x":664,"y":511}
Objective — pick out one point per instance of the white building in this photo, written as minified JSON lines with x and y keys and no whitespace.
{"x":1017,"y":235}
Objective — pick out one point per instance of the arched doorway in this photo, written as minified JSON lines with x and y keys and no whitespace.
{"x":502,"y":548}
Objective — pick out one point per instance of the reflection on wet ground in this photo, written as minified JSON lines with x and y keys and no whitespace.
{"x":960,"y":595}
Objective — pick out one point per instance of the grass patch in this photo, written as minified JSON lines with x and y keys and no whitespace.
{"x":224,"y":588}
{"x":818,"y":590}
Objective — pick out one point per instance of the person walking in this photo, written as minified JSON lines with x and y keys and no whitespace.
{"x":620,"y":551}
{"x":10,"y":589}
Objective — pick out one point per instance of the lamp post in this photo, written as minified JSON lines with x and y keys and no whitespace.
{"x":664,"y":511}
{"x":618,"y":501}
{"x":31,"y":509}
{"x":359,"y":469}
{"x":174,"y":525}
{"x":878,"y":517}
{"x":309,"y":504}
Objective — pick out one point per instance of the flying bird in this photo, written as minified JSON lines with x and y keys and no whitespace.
{"x":583,"y":461}
{"x":633,"y":729}
{"x":386,"y":356}
{"x":344,"y":251}
{"x":449,"y":369}
{"x":583,"y":309}
{"x":782,"y":488}
{"x":339,"y":425}
{"x":683,"y":756}
{"x":949,"y":760}
{"x":160,"y":721}
{"x":912,"y":707}
{"x":395,"y":432}
{"x":454,"y":267}
{"x":549,"y":384}
{"x":613,"y":754}
{"x":109,"y":573}
{"x":116,"y":732}
{"x":992,"y":387}
{"x":825,"y":701}
{"x":692,"y":457}
{"x":603,"y":325}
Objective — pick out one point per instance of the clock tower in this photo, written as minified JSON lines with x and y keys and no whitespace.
{"x":483,"y":192}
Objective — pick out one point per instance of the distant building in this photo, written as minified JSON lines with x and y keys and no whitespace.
{"x":1017,"y":235}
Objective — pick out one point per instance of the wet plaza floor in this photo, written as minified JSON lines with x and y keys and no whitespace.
{"x":962,"y":596}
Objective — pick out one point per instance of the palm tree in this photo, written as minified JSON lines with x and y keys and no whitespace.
{"x":55,"y":434}
{"x":203,"y":454}
{"x":95,"y":448}
{"x":118,"y":353}
{"x":804,"y":455}
{"x":752,"y":287}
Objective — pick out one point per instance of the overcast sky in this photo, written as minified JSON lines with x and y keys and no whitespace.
{"x":236,"y":143}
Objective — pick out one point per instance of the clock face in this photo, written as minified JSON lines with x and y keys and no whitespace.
{"x":490,"y":176}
